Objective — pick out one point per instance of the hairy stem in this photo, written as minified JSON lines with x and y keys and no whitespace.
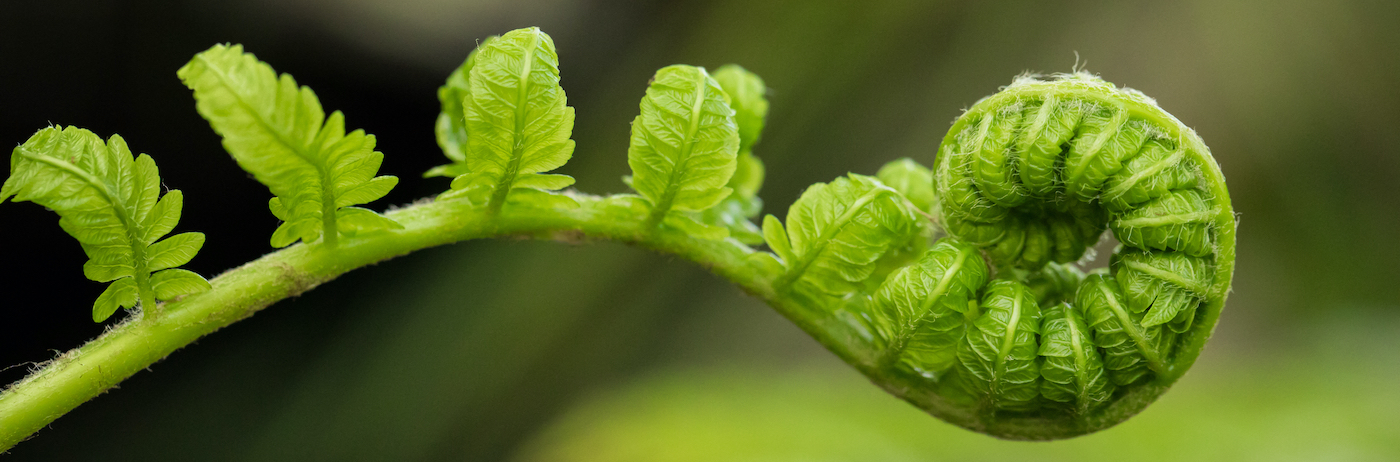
{"x":81,"y":374}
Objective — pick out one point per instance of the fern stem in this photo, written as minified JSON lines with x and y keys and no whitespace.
{"x":83,"y":373}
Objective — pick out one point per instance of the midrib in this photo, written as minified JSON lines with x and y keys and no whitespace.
{"x":687,"y":148}
{"x":522,"y":100}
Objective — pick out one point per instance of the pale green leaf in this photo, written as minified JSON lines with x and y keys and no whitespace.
{"x":777,"y":239}
{"x":355,"y":220}
{"x":173,"y":251}
{"x":369,"y":191}
{"x":918,"y":311}
{"x":746,"y":96}
{"x":173,"y":283}
{"x":684,"y":142}
{"x":838,"y":231}
{"x":913,"y":181}
{"x":451,"y":128}
{"x":278,"y":131}
{"x":109,"y":200}
{"x":540,"y":199}
{"x":696,"y":229}
{"x":109,"y":265}
{"x":120,"y":294}
{"x":165,"y":216}
{"x":544,"y":181}
{"x":516,"y":114}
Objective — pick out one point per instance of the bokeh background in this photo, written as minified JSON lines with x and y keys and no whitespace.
{"x":529,"y":351}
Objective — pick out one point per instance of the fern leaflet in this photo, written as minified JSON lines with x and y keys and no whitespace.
{"x":110,"y":203}
{"x":683,"y":149}
{"x":278,"y":132}
{"x":517,"y":124}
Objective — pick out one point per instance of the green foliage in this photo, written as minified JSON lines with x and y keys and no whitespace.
{"x":998,"y":357}
{"x":516,"y":124}
{"x":835,"y":234}
{"x":1055,"y":283}
{"x":684,"y":147}
{"x":1026,"y":182}
{"x":110,"y":203}
{"x":745,"y":91}
{"x":278,"y":132}
{"x":1166,"y":285}
{"x":451,"y":126}
{"x":1071,"y":366}
{"x":1131,"y":350}
{"x":920,"y":310}
{"x":913,"y":181}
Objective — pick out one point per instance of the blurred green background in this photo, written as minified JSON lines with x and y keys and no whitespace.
{"x":504,"y":350}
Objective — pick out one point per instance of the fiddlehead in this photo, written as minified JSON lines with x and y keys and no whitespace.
{"x":1025,"y":182}
{"x":1032,"y":177}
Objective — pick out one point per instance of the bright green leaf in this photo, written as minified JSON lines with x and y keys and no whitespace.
{"x":998,"y":359}
{"x":173,"y":283}
{"x":278,"y":132}
{"x":1072,"y":369}
{"x":684,"y":142}
{"x":839,"y":230}
{"x":120,"y":294}
{"x":918,"y":311}
{"x":913,"y":181}
{"x":110,"y":202}
{"x":173,"y":251}
{"x":451,"y":128}
{"x":516,"y":113}
{"x":746,"y":96}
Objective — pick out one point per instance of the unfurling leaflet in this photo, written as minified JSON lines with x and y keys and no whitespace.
{"x":836,"y":234}
{"x":746,"y":96}
{"x":683,"y":149}
{"x":515,"y":121}
{"x":278,"y":132}
{"x":112,"y":204}
{"x":451,"y":126}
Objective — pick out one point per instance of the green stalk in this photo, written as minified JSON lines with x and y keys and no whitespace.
{"x":82,"y":374}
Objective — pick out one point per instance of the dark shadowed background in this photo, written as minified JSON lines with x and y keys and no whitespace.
{"x":499,"y":350}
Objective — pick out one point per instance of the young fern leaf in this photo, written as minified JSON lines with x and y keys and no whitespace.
{"x":517,"y":124}
{"x":997,"y":360}
{"x":745,"y":91}
{"x":451,"y":126}
{"x":920,"y":310}
{"x":912,"y":180}
{"x":1131,"y":351}
{"x":278,"y":132}
{"x":683,"y":148}
{"x":1073,"y":372}
{"x":836,"y":233}
{"x":1054,"y":283}
{"x":110,"y":203}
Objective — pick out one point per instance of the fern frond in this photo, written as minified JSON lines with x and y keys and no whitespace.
{"x":110,"y":203}
{"x":278,"y":132}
